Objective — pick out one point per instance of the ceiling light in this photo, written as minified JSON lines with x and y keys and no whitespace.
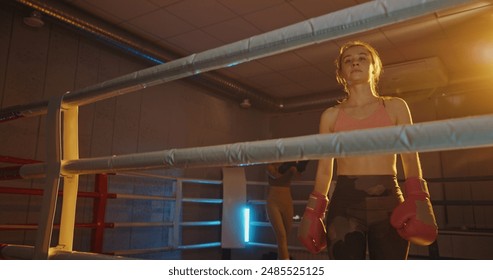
{"x":34,"y":20}
{"x":245,"y":103}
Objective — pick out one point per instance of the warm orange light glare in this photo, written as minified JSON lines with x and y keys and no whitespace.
{"x":483,"y":52}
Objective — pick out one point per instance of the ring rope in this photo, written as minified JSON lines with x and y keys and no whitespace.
{"x":452,"y":134}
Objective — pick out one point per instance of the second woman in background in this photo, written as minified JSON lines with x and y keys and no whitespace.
{"x":280,"y":203}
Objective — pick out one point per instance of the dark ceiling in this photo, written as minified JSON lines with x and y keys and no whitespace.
{"x":440,"y":50}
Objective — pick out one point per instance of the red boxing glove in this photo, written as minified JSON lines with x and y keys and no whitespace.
{"x":312,"y":233}
{"x":414,"y":218}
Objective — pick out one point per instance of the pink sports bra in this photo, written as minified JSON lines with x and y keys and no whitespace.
{"x":379,"y":118}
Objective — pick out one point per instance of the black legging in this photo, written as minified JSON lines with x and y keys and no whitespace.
{"x":359,"y":217}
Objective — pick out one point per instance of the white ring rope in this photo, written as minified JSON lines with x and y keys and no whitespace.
{"x":345,"y":22}
{"x":470,"y":132}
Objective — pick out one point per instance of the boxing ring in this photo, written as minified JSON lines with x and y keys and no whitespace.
{"x":63,"y":162}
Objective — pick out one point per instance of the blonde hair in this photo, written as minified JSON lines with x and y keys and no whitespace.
{"x":375,"y":61}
